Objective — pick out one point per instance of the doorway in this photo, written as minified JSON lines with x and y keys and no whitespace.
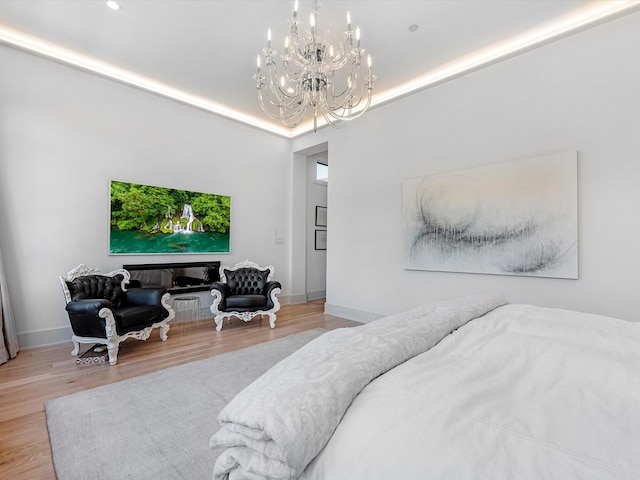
{"x":316,"y":244}
{"x":308,"y":265}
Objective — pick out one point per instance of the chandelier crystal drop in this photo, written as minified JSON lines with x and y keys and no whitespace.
{"x":314,"y":76}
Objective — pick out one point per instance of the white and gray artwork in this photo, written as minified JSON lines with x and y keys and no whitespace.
{"x":514,"y":218}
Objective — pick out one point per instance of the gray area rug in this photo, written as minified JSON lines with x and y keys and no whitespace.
{"x":158,"y":425}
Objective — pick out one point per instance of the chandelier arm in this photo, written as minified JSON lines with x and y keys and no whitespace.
{"x":341,"y":98}
{"x":342,"y":55}
{"x":300,"y":110}
{"x":349,"y":90}
{"x":284,"y":117}
{"x":275,"y":91}
{"x":265,"y":109}
{"x":295,"y":118}
{"x":336,"y":103}
{"x":282,"y":97}
{"x":352,"y":81}
{"x":353,"y":99}
{"x":340,"y":61}
{"x":330,"y":121}
{"x":279,"y":103}
{"x":272,"y":72}
{"x":354,"y":108}
{"x":350,"y":103}
{"x":299,"y":60}
{"x":266,"y":102}
{"x":345,"y":110}
{"x":299,"y":56}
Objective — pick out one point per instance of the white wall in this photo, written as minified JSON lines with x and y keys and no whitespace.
{"x":579,"y":93}
{"x":65,"y":133}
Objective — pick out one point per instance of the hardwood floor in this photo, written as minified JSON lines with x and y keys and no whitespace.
{"x":39,"y":374}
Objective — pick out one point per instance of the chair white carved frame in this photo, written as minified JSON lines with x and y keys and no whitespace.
{"x":113,"y":340}
{"x":219,"y":316}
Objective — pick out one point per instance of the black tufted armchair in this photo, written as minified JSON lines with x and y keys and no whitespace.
{"x":102,"y":310}
{"x":245,"y":291}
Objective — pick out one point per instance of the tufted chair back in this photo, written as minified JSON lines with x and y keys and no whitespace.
{"x":97,"y":286}
{"x":247,"y":281}
{"x":245,"y":290}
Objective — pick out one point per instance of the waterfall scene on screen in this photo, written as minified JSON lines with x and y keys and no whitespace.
{"x":148,"y":219}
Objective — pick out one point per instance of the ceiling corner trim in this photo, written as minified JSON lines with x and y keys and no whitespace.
{"x":31,"y":44}
{"x":594,"y":14}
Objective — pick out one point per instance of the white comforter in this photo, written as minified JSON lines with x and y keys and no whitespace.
{"x":279,"y":423}
{"x":521,"y":393}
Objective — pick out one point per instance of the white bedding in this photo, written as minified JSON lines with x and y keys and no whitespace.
{"x":279,"y":423}
{"x":520,"y":393}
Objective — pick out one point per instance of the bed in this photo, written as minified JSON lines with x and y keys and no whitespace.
{"x":469,"y":388}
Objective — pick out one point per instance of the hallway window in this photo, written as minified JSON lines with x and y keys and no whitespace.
{"x":322,"y":172}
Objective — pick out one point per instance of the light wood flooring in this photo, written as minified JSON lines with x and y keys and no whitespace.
{"x":39,"y":374}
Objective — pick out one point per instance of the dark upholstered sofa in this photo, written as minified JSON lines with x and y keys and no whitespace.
{"x":102,"y":310}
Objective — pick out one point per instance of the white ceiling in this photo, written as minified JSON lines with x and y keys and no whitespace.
{"x":207,"y":48}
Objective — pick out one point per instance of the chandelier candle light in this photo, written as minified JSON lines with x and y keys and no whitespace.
{"x":311,"y":78}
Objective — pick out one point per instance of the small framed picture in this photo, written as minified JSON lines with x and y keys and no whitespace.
{"x":321,"y":240}
{"x":321,"y":216}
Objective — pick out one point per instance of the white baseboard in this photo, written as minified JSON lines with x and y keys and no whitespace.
{"x":42,"y":338}
{"x":316,"y":295}
{"x":292,"y":299}
{"x":351,"y":313}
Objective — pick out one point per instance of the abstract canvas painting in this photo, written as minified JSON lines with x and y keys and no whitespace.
{"x":512,"y":218}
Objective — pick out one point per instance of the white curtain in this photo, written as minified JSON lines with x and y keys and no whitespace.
{"x":8,"y":338}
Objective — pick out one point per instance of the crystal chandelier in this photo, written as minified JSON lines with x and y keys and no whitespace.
{"x":313,"y":76}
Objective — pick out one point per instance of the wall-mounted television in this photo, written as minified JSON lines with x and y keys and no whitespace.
{"x":148,"y":219}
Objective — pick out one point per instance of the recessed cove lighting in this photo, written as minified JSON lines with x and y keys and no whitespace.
{"x":113,"y":5}
{"x":591,"y":14}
